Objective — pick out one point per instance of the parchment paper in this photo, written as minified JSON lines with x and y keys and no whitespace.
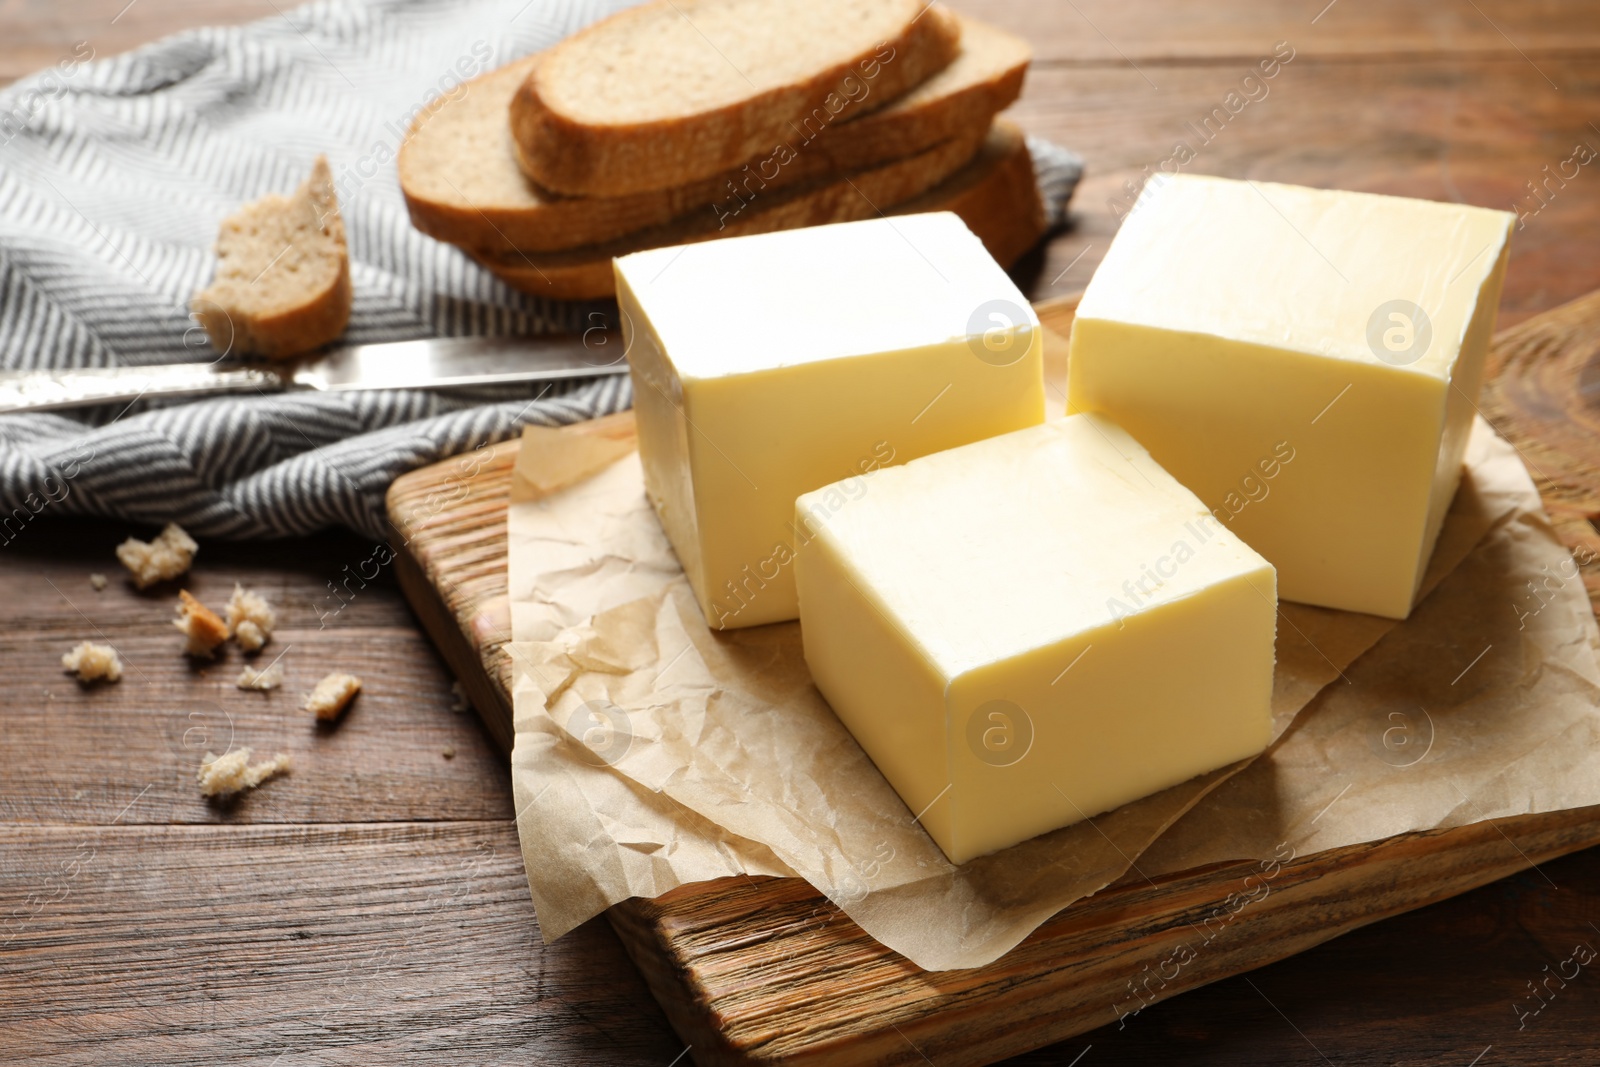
{"x":651,"y":752}
{"x":1482,"y":705}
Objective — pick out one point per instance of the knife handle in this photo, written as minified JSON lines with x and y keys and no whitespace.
{"x":44,"y":390}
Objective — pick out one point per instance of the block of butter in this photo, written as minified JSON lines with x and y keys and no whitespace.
{"x":1308,"y":362}
{"x":767,"y":366}
{"x":1033,"y":629}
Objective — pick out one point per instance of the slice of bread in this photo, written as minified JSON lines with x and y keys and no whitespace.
{"x":674,"y":91}
{"x":459,"y":173}
{"x":283,"y":274}
{"x":994,"y":194}
{"x":984,"y":79}
{"x":581,"y":273}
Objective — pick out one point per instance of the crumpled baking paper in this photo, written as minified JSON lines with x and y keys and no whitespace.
{"x":652,"y":752}
{"x":1482,"y":705}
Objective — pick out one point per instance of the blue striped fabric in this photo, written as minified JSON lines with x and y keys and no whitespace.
{"x":113,"y":177}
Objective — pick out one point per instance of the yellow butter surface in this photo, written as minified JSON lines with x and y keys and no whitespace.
{"x":770,"y":365}
{"x":1033,"y":629}
{"x":1306,"y":361}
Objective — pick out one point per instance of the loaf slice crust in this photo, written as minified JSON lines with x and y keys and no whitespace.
{"x":586,"y":272}
{"x":459,"y":172}
{"x":994,"y":186}
{"x":675,"y":91}
{"x":984,"y":79}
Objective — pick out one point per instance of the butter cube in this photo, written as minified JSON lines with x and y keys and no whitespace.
{"x":1308,"y":362}
{"x":1033,"y":629}
{"x":767,"y":366}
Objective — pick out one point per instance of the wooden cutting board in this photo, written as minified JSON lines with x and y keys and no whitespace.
{"x":767,"y":971}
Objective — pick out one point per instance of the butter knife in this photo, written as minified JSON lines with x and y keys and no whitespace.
{"x":428,"y":364}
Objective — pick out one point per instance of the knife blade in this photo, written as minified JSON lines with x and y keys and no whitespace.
{"x":433,"y":363}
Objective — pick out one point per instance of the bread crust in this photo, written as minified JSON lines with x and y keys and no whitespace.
{"x":294,"y":332}
{"x":990,"y":185}
{"x":580,"y":158}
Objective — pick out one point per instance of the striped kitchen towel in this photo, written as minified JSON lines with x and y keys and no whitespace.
{"x":114,"y":174}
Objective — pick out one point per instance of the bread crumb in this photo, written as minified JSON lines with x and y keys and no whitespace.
{"x":204,"y":630}
{"x":461,"y":703}
{"x":449,"y":752}
{"x":98,"y":581}
{"x":250,"y":618}
{"x":93,"y":663}
{"x":232,"y":772}
{"x":268,"y":678}
{"x":332,"y":695}
{"x":167,"y":557}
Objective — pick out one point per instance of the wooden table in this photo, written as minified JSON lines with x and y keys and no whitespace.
{"x":373,"y":909}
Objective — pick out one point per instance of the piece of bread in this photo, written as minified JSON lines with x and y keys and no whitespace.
{"x":673,"y":91}
{"x":93,"y":663}
{"x":269,"y":677}
{"x":250,"y":618}
{"x":232,"y":772}
{"x":584,"y":273}
{"x":168,"y":556}
{"x":462,"y":182}
{"x":994,"y":192}
{"x":332,"y":695}
{"x":283,"y":274}
{"x":201,"y":627}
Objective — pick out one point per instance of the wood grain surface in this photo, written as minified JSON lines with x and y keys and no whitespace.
{"x":331,"y":919}
{"x":765,"y":971}
{"x":369,"y":907}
